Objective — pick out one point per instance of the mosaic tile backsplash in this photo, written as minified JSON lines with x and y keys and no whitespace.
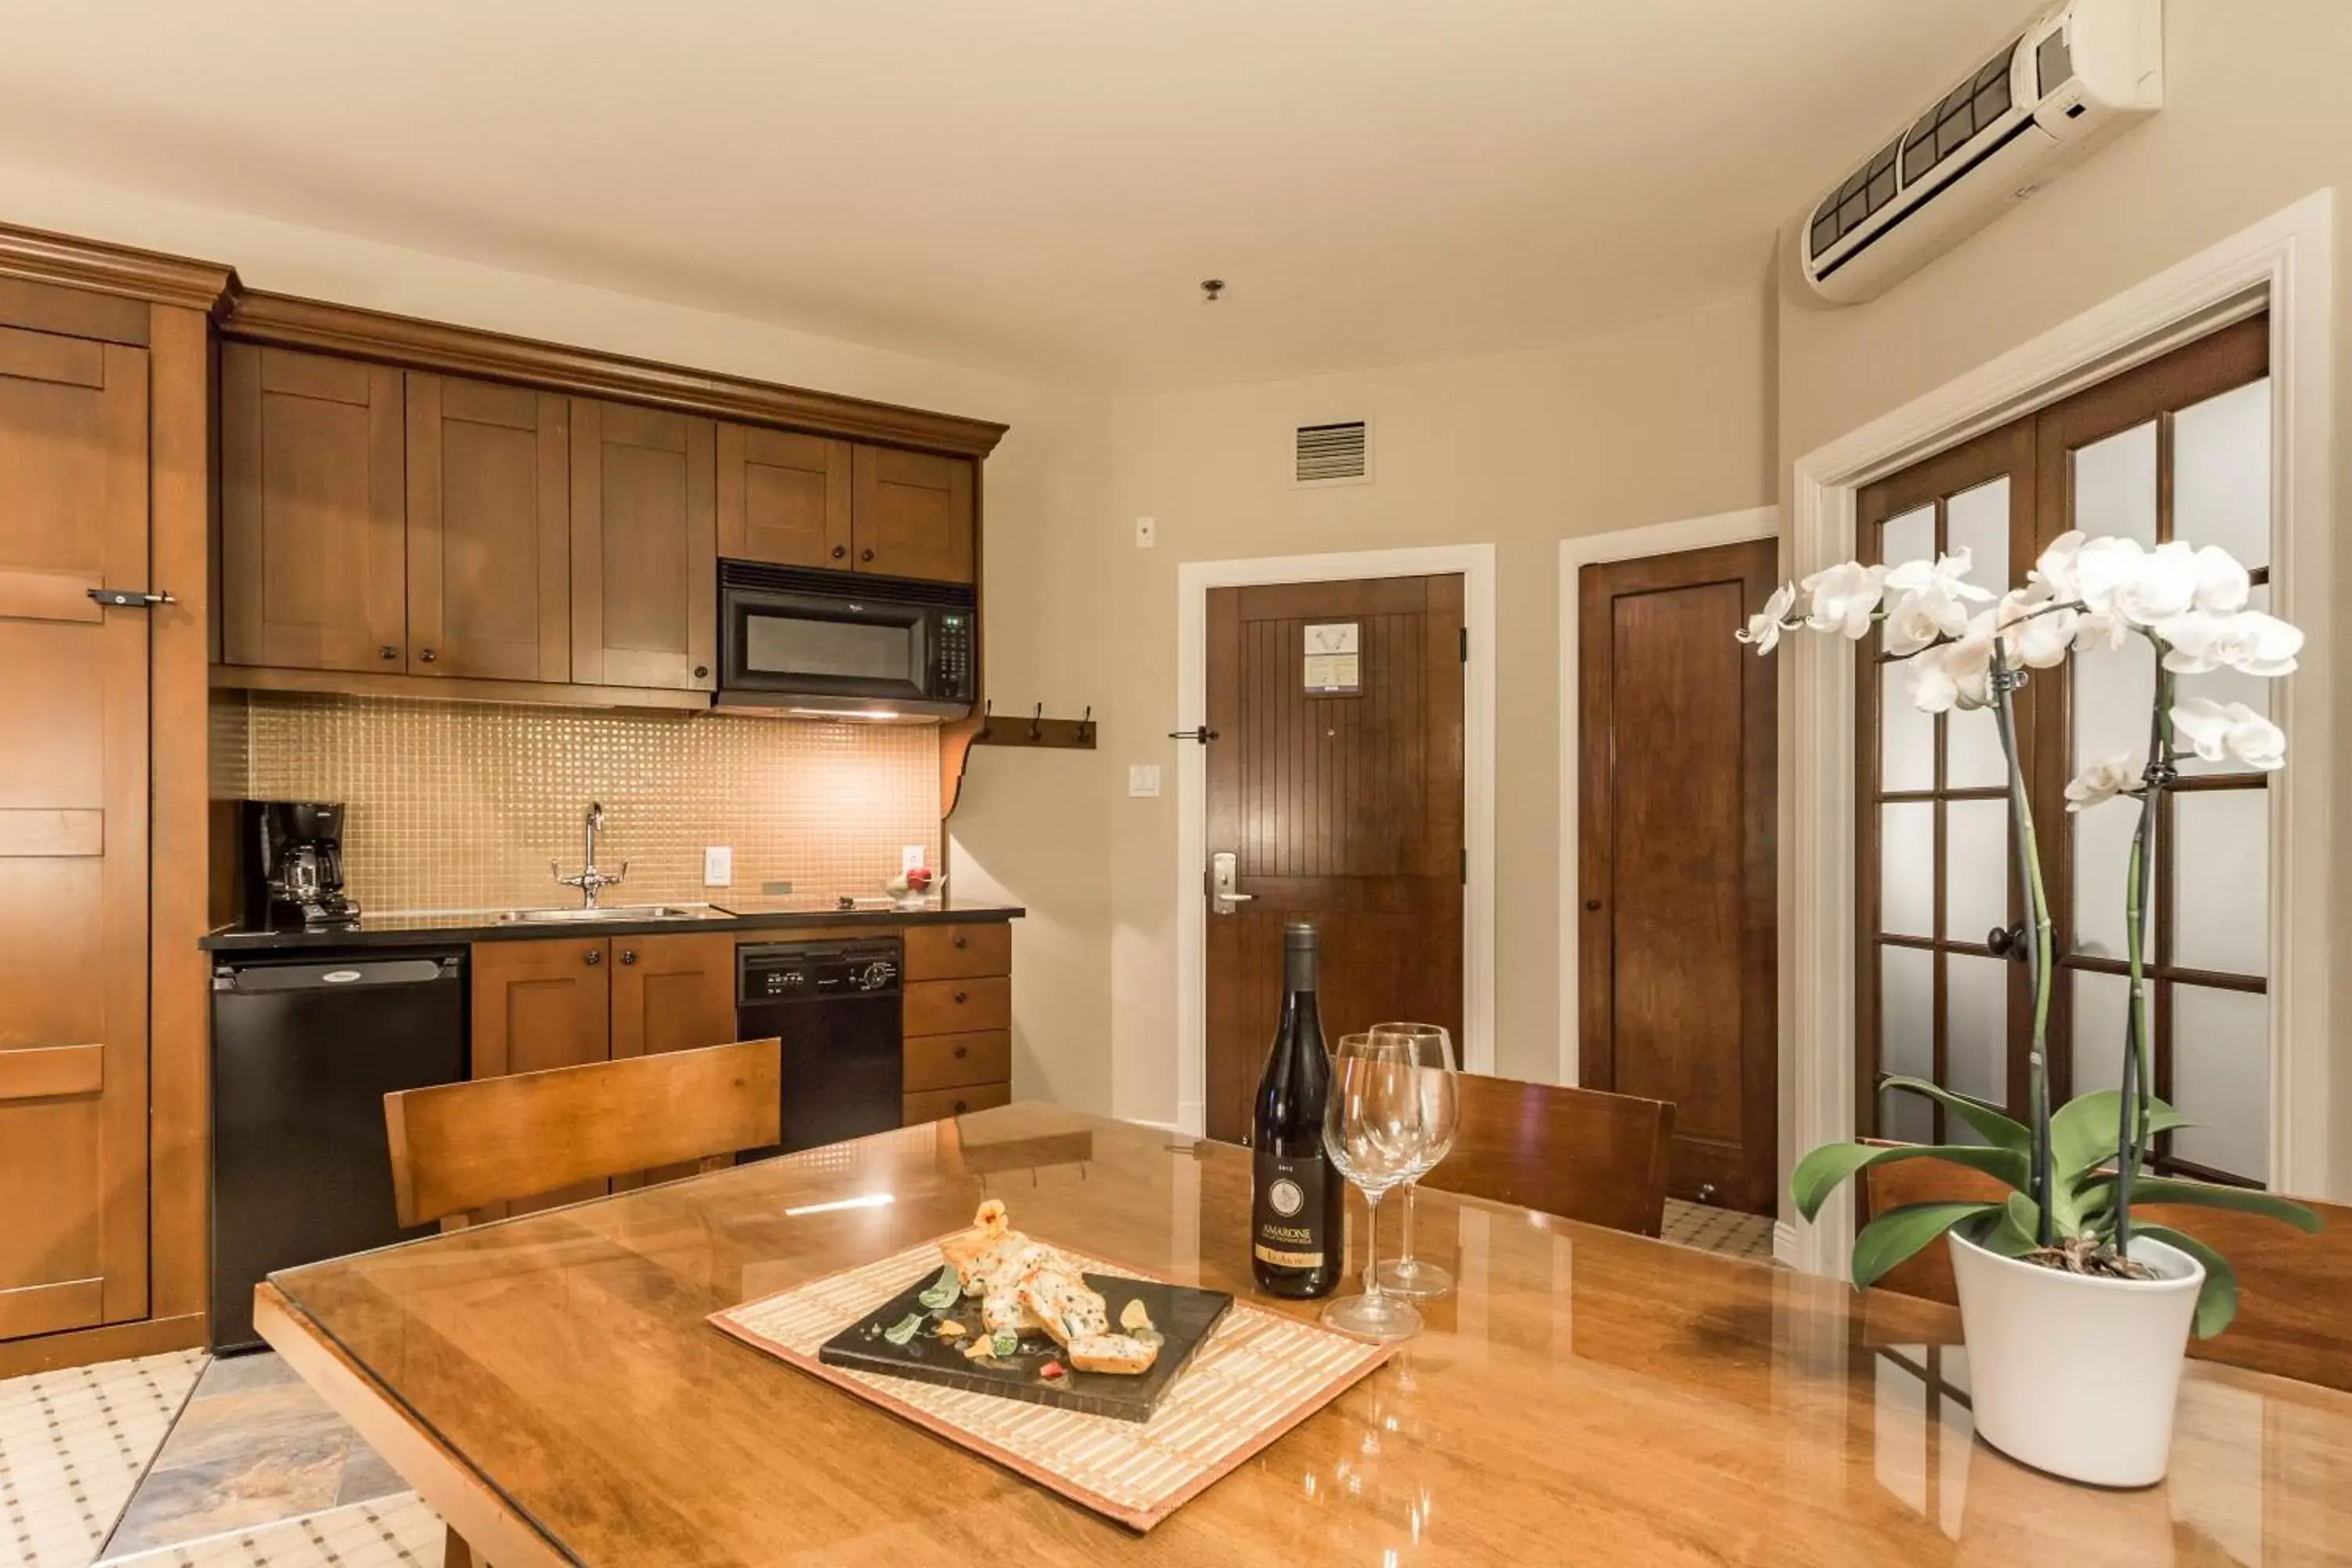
{"x":461,"y":805}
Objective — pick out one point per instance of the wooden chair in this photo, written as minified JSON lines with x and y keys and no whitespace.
{"x":1575,"y":1152}
{"x":459,"y":1147}
{"x":2291,"y":1285}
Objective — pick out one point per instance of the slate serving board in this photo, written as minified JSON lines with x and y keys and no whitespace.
{"x":1182,"y":1315}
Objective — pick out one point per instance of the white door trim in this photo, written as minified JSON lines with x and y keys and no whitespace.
{"x":2284,"y":262}
{"x":1476,"y":564}
{"x":1624,"y":544}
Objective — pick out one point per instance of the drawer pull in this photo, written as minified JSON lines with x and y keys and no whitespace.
{"x":962,"y":940}
{"x":591,"y":958}
{"x":962,"y":1051}
{"x":960,"y":997}
{"x":963,"y":1106}
{"x":628,"y":956}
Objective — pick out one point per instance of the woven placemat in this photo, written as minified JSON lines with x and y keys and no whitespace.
{"x":1258,"y":1375}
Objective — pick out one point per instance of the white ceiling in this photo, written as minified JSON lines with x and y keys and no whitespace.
{"x":1032,"y":184}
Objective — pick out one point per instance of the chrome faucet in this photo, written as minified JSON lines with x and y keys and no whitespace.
{"x":590,"y":881}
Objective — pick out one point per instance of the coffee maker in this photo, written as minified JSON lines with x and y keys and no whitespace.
{"x":290,"y":861}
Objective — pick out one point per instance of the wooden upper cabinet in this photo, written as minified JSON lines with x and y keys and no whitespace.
{"x":312,"y":476}
{"x":912,"y":514}
{"x":645,"y":576}
{"x":489,"y":530}
{"x":784,"y":497}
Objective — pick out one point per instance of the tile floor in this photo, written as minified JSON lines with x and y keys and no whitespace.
{"x":175,"y":1461}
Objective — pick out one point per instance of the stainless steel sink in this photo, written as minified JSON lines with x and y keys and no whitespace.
{"x":607,"y":912}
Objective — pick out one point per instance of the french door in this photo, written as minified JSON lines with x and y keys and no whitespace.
{"x":2178,"y":448}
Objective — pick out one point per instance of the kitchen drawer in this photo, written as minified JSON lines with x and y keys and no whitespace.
{"x":943,"y":1103}
{"x":957,"y":952}
{"x":955,"y":1061}
{"x":958,"y":1006}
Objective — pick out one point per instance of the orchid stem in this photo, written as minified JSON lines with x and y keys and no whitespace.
{"x":2036,"y":900}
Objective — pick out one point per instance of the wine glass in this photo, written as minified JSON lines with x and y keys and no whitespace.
{"x":1433,"y":1050}
{"x":1372,"y":1130}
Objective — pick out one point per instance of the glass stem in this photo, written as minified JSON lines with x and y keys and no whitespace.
{"x":1371,"y":1251}
{"x":1404,"y":1254}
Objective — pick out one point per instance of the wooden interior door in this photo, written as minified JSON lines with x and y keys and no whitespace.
{"x":913,"y":514}
{"x":644,"y":573}
{"x":1676,"y":859}
{"x":312,"y":548}
{"x":489,"y":530}
{"x":1342,"y":807}
{"x":73,"y":836}
{"x":539,"y":1005}
{"x":671,"y":993}
{"x":784,"y":497}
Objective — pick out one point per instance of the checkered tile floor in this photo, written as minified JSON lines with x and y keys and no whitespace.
{"x":73,"y":1445}
{"x":396,"y":1532}
{"x":1720,"y":1230}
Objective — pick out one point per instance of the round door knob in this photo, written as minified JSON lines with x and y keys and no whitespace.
{"x":628,"y":956}
{"x":1592,"y":903}
{"x":840,"y":550}
{"x":591,"y":958}
{"x":426,"y":655}
{"x":865,"y":555}
{"x":387,"y":651}
{"x":962,"y":1051}
{"x":960,"y":997}
{"x":701,"y":672}
{"x":962,"y":940}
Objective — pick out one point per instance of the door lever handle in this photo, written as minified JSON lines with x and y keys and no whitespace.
{"x":129,"y":598}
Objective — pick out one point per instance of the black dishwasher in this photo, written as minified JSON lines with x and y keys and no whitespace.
{"x":835,"y":1005}
{"x":304,"y":1050}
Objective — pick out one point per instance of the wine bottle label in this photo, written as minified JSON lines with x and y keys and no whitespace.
{"x":1285,"y":1216}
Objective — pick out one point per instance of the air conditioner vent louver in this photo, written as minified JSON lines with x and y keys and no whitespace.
{"x":1331,"y":453}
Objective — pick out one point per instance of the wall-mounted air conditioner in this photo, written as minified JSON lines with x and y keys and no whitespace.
{"x":2082,"y":73}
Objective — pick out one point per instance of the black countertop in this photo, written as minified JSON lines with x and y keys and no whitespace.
{"x":449,"y":930}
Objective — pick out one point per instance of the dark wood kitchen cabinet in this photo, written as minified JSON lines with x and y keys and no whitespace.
{"x":672,"y":993}
{"x":957,"y":1051}
{"x":313,"y":553}
{"x":489,"y":530}
{"x":912,"y":514}
{"x":784,"y":497}
{"x":644,"y":607}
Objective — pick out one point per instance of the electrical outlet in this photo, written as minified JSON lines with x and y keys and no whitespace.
{"x":1143,"y":780}
{"x":913,"y":857}
{"x":719,"y":867}
{"x":1146,"y":532}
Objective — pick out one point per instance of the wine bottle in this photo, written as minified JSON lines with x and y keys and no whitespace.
{"x":1295,"y":1201}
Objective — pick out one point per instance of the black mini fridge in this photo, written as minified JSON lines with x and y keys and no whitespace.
{"x":304,"y":1050}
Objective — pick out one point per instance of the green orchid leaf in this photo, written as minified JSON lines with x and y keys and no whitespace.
{"x":1818,"y":1173}
{"x":1898,"y":1233}
{"x":2205,"y":1194}
{"x":2217,"y":1301}
{"x":2021,"y":1225}
{"x":1991,"y":1125}
{"x":2083,"y":1132}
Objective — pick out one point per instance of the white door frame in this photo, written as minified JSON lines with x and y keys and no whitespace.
{"x":2284,"y":262}
{"x":1475,"y":564}
{"x":1624,"y":544}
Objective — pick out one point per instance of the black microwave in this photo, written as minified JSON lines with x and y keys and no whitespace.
{"x":825,"y":643}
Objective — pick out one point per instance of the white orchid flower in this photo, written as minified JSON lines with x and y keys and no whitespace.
{"x":2096,"y":629}
{"x":1955,"y":674}
{"x":1843,"y":598}
{"x":1916,"y":620}
{"x":2221,"y":584}
{"x":2103,"y":781}
{"x":1947,"y":574}
{"x":2219,"y":734}
{"x":2197,"y":643}
{"x":2054,"y":573}
{"x":2143,"y":586}
{"x":2034,"y":632}
{"x":1764,"y":628}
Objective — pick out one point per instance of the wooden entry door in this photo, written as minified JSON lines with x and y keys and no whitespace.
{"x":1341,"y":804}
{"x":73,"y":836}
{"x":1675,"y":859}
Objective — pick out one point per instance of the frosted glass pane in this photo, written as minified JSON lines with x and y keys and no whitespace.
{"x":2115,"y":485}
{"x":2102,"y":1002}
{"x":2220,"y":1076}
{"x":2103,"y":837}
{"x":1972,"y":755}
{"x":1906,"y":869}
{"x":1976,"y":1034}
{"x":1976,"y":869}
{"x":1978,"y":520}
{"x":1906,"y":737}
{"x":2221,"y":473}
{"x":1911,"y":537}
{"x":1907,"y":1035}
{"x":2221,"y":881}
{"x":2115,"y":693}
{"x":2225,"y":687}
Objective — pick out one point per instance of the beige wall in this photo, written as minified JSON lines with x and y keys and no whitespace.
{"x":1665,"y":420}
{"x":2256,"y":118}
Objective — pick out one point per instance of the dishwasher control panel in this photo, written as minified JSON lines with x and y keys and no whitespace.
{"x":793,"y":970}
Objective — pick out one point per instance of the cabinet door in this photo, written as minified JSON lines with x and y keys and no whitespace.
{"x":913,"y":514}
{"x":671,"y":993}
{"x":784,"y":497}
{"x":73,"y":836}
{"x":311,"y":511}
{"x":539,"y":1005}
{"x":489,"y":530}
{"x":645,"y":574}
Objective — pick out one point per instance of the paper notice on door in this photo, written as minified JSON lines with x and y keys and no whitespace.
{"x":1333,"y":663}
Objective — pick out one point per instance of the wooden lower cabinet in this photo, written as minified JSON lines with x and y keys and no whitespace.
{"x":958,"y":1061}
{"x":671,"y":993}
{"x":959,"y":1020}
{"x":934,"y":1105}
{"x":959,"y":1006}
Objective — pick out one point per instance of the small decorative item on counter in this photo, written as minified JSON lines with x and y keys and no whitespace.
{"x":912,"y":889}
{"x":903,"y":1330}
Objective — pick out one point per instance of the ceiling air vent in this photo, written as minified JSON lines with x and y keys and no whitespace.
{"x":1334,"y":453}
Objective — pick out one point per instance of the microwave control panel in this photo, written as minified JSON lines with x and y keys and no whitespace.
{"x":953,"y":654}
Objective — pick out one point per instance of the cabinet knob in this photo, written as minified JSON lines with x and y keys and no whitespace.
{"x":840,"y":550}
{"x":1593,"y":904}
{"x":865,"y":555}
{"x":628,"y":956}
{"x":963,"y":1106}
{"x":962,"y":940}
{"x":701,"y":672}
{"x":387,"y":651}
{"x":962,"y":1051}
{"x":592,"y":957}
{"x":425,"y":654}
{"x":960,"y":997}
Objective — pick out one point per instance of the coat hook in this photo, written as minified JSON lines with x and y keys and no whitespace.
{"x":1037,"y":724}
{"x":1087,"y":726}
{"x":987,"y":708}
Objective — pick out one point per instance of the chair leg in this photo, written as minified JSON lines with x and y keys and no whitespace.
{"x":456,"y":1554}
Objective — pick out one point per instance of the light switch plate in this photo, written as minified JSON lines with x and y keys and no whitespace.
{"x":1143,"y":780}
{"x":718,"y":866}
{"x":1146,"y":532}
{"x":911,"y":858}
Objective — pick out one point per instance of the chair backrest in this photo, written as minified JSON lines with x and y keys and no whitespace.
{"x":2291,"y":1285}
{"x":1577,"y":1153}
{"x":458,"y":1147}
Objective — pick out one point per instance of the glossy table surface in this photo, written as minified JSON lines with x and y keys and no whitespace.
{"x":1585,"y":1397}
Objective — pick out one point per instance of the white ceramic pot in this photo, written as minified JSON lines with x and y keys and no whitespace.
{"x":2075,"y":1375}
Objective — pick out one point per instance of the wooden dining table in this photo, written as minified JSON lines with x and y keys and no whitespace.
{"x":551,"y":1385}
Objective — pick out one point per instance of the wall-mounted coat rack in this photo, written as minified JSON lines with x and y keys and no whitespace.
{"x":988,"y":729}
